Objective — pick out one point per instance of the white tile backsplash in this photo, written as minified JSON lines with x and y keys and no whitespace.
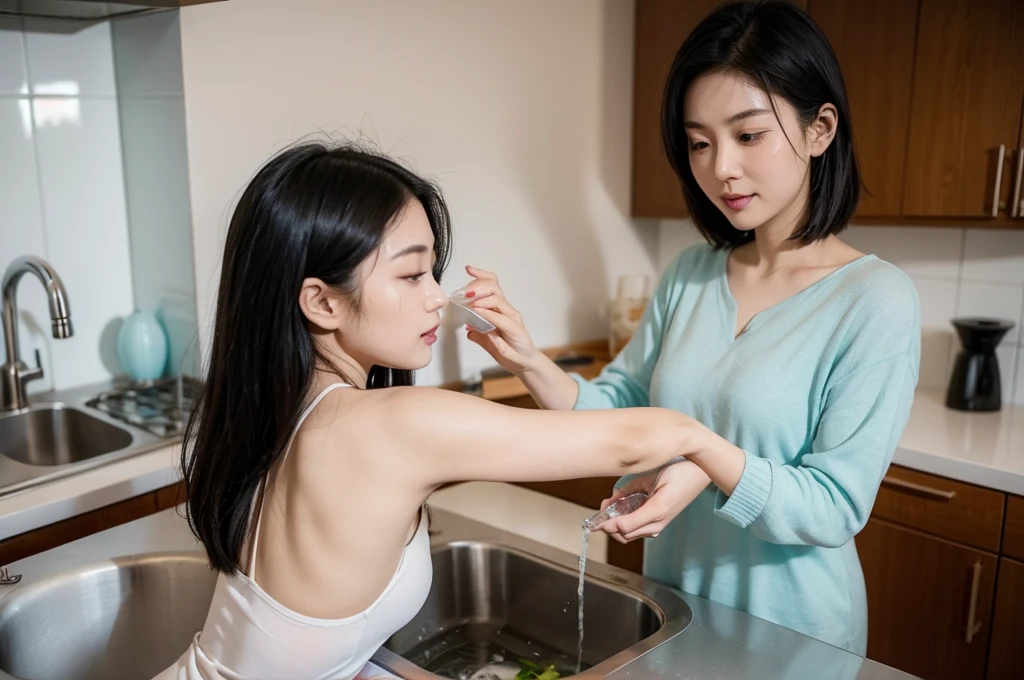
{"x":922,"y":252}
{"x":65,"y":58}
{"x":12,"y":58}
{"x":147,"y":55}
{"x":21,"y":231}
{"x":62,"y":191}
{"x":87,"y":233}
{"x":1018,"y":379}
{"x":993,"y":300}
{"x":938,"y":306}
{"x":1006,"y":354}
{"x":994,"y":255}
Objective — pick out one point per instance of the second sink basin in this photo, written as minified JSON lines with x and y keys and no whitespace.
{"x":54,"y":434}
{"x":120,"y":620}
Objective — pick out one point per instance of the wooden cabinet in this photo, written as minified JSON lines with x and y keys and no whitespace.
{"x":945,"y":587}
{"x":71,"y":529}
{"x":661,"y":28}
{"x":925,"y":593}
{"x":873,"y":40}
{"x":1013,"y":534}
{"x":1006,"y":661}
{"x":954,"y":510}
{"x":1017,"y":195}
{"x":936,"y":89}
{"x":966,"y":105}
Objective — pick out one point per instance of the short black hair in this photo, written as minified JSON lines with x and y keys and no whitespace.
{"x":777,"y":46}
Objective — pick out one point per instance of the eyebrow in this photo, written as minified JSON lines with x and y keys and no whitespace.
{"x":749,"y":113}
{"x":409,"y":251}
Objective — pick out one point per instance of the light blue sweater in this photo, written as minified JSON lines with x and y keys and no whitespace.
{"x":816,"y":391}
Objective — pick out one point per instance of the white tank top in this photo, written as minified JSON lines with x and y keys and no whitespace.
{"x":250,"y":636}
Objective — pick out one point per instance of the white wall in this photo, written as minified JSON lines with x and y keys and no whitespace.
{"x":62,"y":191}
{"x":957,"y":272}
{"x":147,"y":58}
{"x":521,"y":110}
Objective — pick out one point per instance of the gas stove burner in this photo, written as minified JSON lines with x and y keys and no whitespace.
{"x":160,"y":407}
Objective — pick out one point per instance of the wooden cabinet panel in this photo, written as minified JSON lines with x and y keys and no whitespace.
{"x":169,"y":496}
{"x":1013,"y":534}
{"x":127,"y":510}
{"x":953,"y":510}
{"x":1017,"y":192}
{"x":71,"y":529}
{"x":924,"y":596}
{"x":874,"y":42}
{"x":1006,"y":652}
{"x":661,"y":28}
{"x":967,"y":95}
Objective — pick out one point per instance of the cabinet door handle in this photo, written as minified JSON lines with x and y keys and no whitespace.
{"x":999,"y":180}
{"x":1017,"y":207}
{"x":902,"y":484}
{"x":972,"y":608}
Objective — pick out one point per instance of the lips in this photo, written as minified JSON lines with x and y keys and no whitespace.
{"x":737,"y":201}
{"x":430,"y":337}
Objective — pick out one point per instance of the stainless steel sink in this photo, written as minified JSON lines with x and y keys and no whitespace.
{"x":492,"y":603}
{"x":54,"y":434}
{"x":500,"y":596}
{"x":127,"y":618}
{"x":58,"y":435}
{"x":130,"y":617}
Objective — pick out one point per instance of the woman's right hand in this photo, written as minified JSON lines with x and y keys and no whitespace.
{"x":510,"y":345}
{"x":670,"y":491}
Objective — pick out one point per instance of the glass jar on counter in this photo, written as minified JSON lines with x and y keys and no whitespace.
{"x":632,"y":296}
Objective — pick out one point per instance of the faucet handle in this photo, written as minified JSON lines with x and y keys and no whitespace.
{"x":32,"y":373}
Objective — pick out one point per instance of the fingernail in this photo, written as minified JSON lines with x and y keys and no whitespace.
{"x":469,"y":294}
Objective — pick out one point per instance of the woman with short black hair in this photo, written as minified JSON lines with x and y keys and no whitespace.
{"x":799,"y":354}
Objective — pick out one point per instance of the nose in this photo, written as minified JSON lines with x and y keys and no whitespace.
{"x":727,"y":163}
{"x":436,"y":298}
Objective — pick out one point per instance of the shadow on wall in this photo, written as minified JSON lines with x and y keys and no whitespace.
{"x":577,"y":203}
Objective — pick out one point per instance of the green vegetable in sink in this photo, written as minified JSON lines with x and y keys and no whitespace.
{"x":528,"y":670}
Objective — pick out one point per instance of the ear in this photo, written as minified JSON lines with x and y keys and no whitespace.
{"x":822,"y":129}
{"x":322,"y":305}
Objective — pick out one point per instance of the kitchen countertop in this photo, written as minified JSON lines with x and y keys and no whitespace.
{"x":986,"y":449}
{"x":720,"y":643}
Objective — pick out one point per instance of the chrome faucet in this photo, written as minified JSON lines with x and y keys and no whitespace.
{"x":15,"y":373}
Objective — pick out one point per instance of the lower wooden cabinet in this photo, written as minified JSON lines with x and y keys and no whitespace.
{"x":53,"y":535}
{"x":929,"y":602}
{"x":1006,"y":657}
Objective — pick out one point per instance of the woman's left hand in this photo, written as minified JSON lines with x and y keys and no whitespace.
{"x":674,"y":488}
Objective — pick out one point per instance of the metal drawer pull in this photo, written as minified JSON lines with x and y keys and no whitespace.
{"x":972,"y":609}
{"x":937,"y":494}
{"x":1017,"y":208}
{"x":999,"y":180}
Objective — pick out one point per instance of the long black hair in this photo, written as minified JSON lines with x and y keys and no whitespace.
{"x":314,"y":210}
{"x":778,"y":47}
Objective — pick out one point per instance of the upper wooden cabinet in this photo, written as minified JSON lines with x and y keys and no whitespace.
{"x":661,"y":28}
{"x":936,"y":89}
{"x":966,"y":106}
{"x":874,"y":42}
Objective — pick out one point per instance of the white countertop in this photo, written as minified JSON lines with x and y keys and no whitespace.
{"x":69,"y":496}
{"x":986,"y":449}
